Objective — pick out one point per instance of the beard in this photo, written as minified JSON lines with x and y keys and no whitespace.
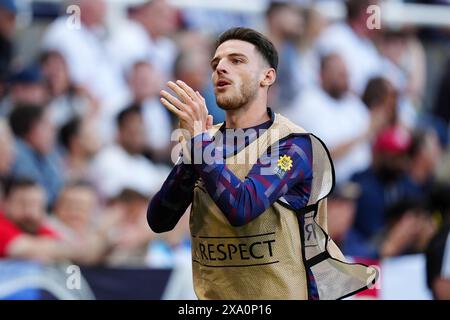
{"x":230,"y":100}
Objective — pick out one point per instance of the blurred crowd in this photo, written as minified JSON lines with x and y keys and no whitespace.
{"x":85,"y":142}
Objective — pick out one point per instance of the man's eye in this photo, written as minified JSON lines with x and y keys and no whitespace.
{"x":236,"y":61}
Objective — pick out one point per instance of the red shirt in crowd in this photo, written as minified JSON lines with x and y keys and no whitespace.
{"x":9,"y":231}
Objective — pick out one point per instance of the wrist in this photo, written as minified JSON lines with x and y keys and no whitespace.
{"x":197,"y":145}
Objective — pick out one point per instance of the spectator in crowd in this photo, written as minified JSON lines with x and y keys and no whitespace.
{"x":7,"y":154}
{"x":315,"y":23}
{"x":408,"y":229}
{"x":122,"y":164}
{"x":8,"y":11}
{"x":381,"y":99}
{"x":338,"y":117}
{"x":403,"y":63}
{"x":380,"y":189}
{"x":131,"y":235}
{"x":285,"y":26}
{"x":89,"y":64}
{"x":192,"y":67}
{"x":171,"y":249}
{"x":341,"y":209}
{"x":145,"y":36}
{"x":425,"y":154}
{"x":36,"y":157}
{"x":74,"y":220}
{"x":403,"y":48}
{"x":145,"y":86}
{"x":80,"y":144}
{"x":67,"y":100}
{"x":23,"y":233}
{"x":7,"y":151}
{"x":353,"y":40}
{"x":26,"y":87}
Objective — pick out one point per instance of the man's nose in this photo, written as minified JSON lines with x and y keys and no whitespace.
{"x":222,"y":67}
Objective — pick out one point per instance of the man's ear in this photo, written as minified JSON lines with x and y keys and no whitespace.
{"x":269,"y":77}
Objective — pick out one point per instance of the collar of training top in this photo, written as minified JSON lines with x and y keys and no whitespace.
{"x":270,"y":113}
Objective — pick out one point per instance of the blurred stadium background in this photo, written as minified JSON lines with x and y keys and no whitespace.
{"x":85,"y":143}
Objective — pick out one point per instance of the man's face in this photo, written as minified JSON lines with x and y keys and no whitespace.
{"x":42,"y":135}
{"x":7,"y":23}
{"x":145,"y":81}
{"x":159,"y":17}
{"x":238,"y":70}
{"x":335,"y":77}
{"x":55,"y":71}
{"x":88,"y":138}
{"x":25,"y":206}
{"x":7,"y":151}
{"x":76,"y":206}
{"x":132,"y":134}
{"x":288,"y":21}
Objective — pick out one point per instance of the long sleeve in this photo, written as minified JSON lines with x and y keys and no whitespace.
{"x":171,"y":201}
{"x":242,"y":201}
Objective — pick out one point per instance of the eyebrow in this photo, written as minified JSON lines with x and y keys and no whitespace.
{"x":214,"y":60}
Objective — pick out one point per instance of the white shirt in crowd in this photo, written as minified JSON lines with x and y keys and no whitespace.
{"x":88,"y":61}
{"x":157,"y":122}
{"x":360,"y":55}
{"x":335,"y":122}
{"x":132,"y":43}
{"x":114,"y":169}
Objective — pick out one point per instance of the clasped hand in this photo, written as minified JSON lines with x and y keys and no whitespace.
{"x":189,"y":107}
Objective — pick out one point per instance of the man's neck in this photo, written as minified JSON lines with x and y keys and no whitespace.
{"x":246,"y":117}
{"x":77,"y":160}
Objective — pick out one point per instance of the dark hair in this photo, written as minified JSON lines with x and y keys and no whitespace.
{"x":376,"y":91}
{"x":46,"y":55}
{"x":68,"y":131}
{"x":123,"y":115}
{"x":12,"y":183}
{"x":23,"y":118}
{"x":264,"y":46}
{"x":128,"y":195}
{"x":78,"y":183}
{"x":325,"y":59}
{"x":355,"y":7}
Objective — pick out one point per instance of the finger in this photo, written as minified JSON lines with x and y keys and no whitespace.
{"x":200,"y":96}
{"x":180,"y":114}
{"x":202,"y":101}
{"x":209,"y":122}
{"x":188,"y":90}
{"x":180,"y":92}
{"x":173,"y":100}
